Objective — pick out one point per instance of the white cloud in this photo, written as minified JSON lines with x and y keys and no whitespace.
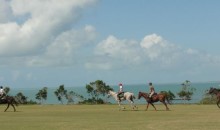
{"x":120,"y":51}
{"x":153,"y":52}
{"x":151,"y":40}
{"x":191,"y":51}
{"x":65,"y":48}
{"x":5,"y":12}
{"x":42,"y":28}
{"x":155,"y":47}
{"x":42,"y":33}
{"x":47,"y":20}
{"x":99,"y":65}
{"x":132,"y":54}
{"x":114,"y":53}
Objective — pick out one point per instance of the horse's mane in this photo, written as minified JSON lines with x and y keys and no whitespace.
{"x":144,"y":93}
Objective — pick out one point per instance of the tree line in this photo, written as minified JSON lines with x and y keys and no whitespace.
{"x":97,"y":91}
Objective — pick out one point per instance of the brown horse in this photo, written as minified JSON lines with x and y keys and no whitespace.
{"x":10,"y":101}
{"x":217,"y":93}
{"x":155,"y":98}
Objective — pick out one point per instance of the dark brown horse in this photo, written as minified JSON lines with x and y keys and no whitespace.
{"x":155,"y":98}
{"x":217,"y":93}
{"x":10,"y":101}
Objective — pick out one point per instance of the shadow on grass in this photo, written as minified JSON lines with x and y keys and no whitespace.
{"x":12,"y":111}
{"x":145,"y":110}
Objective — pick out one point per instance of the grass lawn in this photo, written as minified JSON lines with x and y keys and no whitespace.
{"x":108,"y":117}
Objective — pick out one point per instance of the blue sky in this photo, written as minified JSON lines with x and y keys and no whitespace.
{"x":46,"y":43}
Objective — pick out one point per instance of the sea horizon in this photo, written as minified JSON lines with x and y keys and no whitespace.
{"x":200,"y":87}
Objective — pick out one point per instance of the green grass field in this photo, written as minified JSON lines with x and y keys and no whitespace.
{"x":108,"y":117}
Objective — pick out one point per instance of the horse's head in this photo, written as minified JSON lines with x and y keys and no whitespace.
{"x":140,"y":94}
{"x":109,"y":93}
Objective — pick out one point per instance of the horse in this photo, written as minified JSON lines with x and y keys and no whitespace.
{"x":217,"y":93}
{"x":155,"y":98}
{"x":127,"y":96}
{"x":10,"y":101}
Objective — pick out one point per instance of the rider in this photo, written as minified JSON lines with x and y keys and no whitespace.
{"x":2,"y":92}
{"x":120,"y":91}
{"x":152,"y":90}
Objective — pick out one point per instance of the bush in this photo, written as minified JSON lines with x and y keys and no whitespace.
{"x":209,"y":99}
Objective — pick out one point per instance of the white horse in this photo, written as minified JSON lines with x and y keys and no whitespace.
{"x":127,"y":96}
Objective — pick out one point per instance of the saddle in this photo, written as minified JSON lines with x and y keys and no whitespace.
{"x":121,"y":95}
{"x":2,"y":98}
{"x":154,"y":95}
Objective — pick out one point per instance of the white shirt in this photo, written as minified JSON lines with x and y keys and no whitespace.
{"x":2,"y":91}
{"x":120,"y":88}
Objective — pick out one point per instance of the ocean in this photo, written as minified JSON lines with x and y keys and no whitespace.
{"x":173,"y":87}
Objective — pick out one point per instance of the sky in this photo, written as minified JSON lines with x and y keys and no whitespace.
{"x":47,"y":43}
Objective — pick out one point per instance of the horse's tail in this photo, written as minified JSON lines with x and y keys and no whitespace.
{"x":14,"y":101}
{"x":133,"y":96}
{"x":168,"y":101}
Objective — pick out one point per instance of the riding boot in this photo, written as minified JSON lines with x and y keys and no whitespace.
{"x":118,"y":98}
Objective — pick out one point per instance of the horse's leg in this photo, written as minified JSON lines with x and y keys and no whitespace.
{"x":165,"y":105}
{"x":134,"y":106}
{"x":120,"y":106}
{"x":153,"y":106}
{"x":7,"y":107}
{"x":129,"y":99}
{"x":218,"y":103}
{"x":147,"y":106}
{"x":13,"y":107}
{"x":131,"y":104}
